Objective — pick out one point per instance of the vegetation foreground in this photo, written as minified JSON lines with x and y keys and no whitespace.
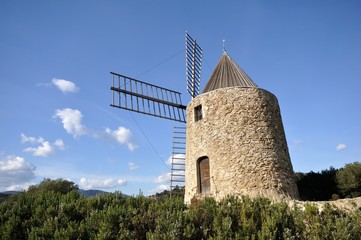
{"x":47,"y":211}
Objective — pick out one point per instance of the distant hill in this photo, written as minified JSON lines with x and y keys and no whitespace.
{"x":6,"y":194}
{"x":91,"y":192}
{"x":94,"y":192}
{"x":3,"y":196}
{"x":10,"y":192}
{"x":85,"y":193}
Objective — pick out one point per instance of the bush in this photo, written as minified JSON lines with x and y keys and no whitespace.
{"x":317,"y":186}
{"x":59,"y":185}
{"x":53,"y":214}
{"x":349,"y":180}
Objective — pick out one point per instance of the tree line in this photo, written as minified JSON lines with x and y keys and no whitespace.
{"x":54,"y":209}
{"x":330,"y":184}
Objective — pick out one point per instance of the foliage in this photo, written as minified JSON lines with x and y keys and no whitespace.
{"x":3,"y":196}
{"x":349,"y":180}
{"x":176,"y":192}
{"x":330,"y":184}
{"x":59,"y":185}
{"x":54,"y":209}
{"x":320,"y":186}
{"x":57,"y":215}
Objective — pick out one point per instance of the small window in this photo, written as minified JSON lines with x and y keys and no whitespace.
{"x":198,"y":113}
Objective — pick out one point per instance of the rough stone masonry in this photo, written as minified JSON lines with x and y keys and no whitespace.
{"x":241,"y":134}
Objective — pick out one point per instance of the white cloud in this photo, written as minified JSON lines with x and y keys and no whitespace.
{"x":72,"y":123}
{"x":45,"y":149}
{"x":162,"y":187}
{"x":121,"y":135}
{"x":165,"y":177}
{"x":159,"y":188}
{"x":25,"y":139}
{"x":65,"y":86}
{"x":15,"y":172}
{"x":19,"y":187}
{"x":59,"y":143}
{"x":341,"y":147}
{"x":132,"y":166}
{"x":71,"y":119}
{"x":132,"y":146}
{"x":178,"y":158}
{"x":101,"y":183}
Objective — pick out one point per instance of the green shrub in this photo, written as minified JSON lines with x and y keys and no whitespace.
{"x":55,"y":215}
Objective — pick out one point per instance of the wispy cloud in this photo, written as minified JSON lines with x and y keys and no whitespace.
{"x":132,"y":166}
{"x":341,"y":147}
{"x":44,"y":149}
{"x":297,"y":145}
{"x":71,"y":119}
{"x":65,"y":86}
{"x":15,"y":173}
{"x":107,"y":183}
{"x":25,"y":139}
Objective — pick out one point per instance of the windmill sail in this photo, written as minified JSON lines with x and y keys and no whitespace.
{"x":177,"y":175}
{"x":193,"y":66}
{"x":141,"y":97}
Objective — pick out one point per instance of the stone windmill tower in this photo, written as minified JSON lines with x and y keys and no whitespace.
{"x":235,"y":140}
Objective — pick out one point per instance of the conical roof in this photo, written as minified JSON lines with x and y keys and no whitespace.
{"x":228,"y":74}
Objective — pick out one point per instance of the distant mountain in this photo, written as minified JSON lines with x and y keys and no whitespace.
{"x":10,"y":192}
{"x":91,"y":192}
{"x":85,"y":193}
{"x":3,"y":197}
{"x":6,"y":194}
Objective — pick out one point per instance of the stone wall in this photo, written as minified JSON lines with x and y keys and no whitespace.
{"x":241,"y":132}
{"x":346,"y":204}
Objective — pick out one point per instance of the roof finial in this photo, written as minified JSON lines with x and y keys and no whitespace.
{"x":224,"y":48}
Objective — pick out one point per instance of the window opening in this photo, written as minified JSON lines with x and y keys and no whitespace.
{"x":198,"y":115}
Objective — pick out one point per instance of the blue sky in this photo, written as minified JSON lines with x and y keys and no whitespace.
{"x":55,"y":59}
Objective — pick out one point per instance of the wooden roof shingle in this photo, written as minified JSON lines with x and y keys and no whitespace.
{"x":228,"y":74}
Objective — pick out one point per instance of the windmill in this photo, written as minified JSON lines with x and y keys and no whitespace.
{"x":235,"y":141}
{"x":137,"y":96}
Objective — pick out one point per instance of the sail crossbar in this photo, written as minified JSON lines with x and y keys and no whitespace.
{"x":141,"y":97}
{"x":193,"y":66}
{"x":178,"y":158}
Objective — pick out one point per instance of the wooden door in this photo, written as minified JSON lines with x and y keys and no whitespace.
{"x":204,"y":176}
